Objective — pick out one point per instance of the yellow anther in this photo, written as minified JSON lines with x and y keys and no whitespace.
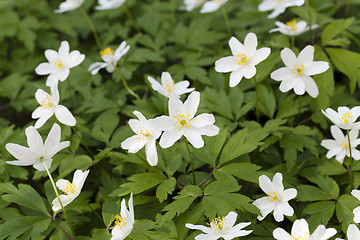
{"x":183,"y":121}
{"x":58,"y":63}
{"x":169,"y":86}
{"x":46,"y":102}
{"x":241,"y":59}
{"x":347,"y":118}
{"x":273,"y":197}
{"x":305,"y":236}
{"x":219,"y":225}
{"x":345,"y":145}
{"x":120,"y":221}
{"x":299,"y":70}
{"x":107,"y":51}
{"x":292,"y":25}
{"x":69,"y":189}
{"x":143,"y":134}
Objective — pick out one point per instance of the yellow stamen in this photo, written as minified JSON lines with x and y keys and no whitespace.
{"x":169,"y":86}
{"x":183,"y":121}
{"x":292,"y":25}
{"x":46,"y":102}
{"x":305,"y":236}
{"x":219,"y":225}
{"x":107,"y":51}
{"x":58,"y":64}
{"x":347,"y":118}
{"x":273,"y":197}
{"x":241,"y":59}
{"x":143,"y":134}
{"x":69,"y":189}
{"x":120,"y":221}
{"x":345,"y":145}
{"x":299,"y":70}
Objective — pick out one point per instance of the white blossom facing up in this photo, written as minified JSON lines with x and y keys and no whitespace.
{"x":353,"y":233}
{"x":278,"y":6}
{"x":212,"y":6}
{"x":124,"y":222}
{"x":292,"y":28}
{"x":182,"y":122}
{"x":110,"y":58}
{"x":70,"y":190}
{"x":190,"y":5}
{"x":277,"y":198}
{"x":109,"y":4}
{"x":69,"y":5}
{"x":245,"y":58}
{"x":221,"y":228}
{"x":344,"y":118}
{"x":298,"y":71}
{"x":300,"y":230}
{"x":58,"y":67}
{"x":356,"y":211}
{"x":168,"y":86}
{"x":146,"y":135}
{"x":339,"y":147}
{"x":37,"y":152}
{"x":49,"y":105}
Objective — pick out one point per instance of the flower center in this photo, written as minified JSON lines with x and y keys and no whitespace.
{"x":183,"y":121}
{"x":273,"y":197}
{"x":305,"y":236}
{"x":347,"y":118}
{"x":345,"y":145}
{"x":107,"y":52}
{"x":46,"y":102}
{"x":69,"y":189}
{"x":219,"y":225}
{"x":241,"y":59}
{"x":143,"y":134}
{"x":58,"y":64}
{"x":169,"y":86}
{"x":120,"y":221}
{"x":299,"y":70}
{"x":292,"y":25}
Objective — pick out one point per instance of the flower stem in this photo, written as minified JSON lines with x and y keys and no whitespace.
{"x":256,"y":100}
{"x":173,"y":7}
{"x":162,"y":153}
{"x":57,"y":195}
{"x":191,"y":160}
{"x":309,"y":15}
{"x":88,"y":20}
{"x":83,"y":143}
{"x":299,"y":111}
{"x":131,"y":17}
{"x":98,"y":216}
{"x":292,"y":40}
{"x":61,"y":228}
{"x":125,"y":84}
{"x":226,"y":20}
{"x":350,"y":163}
{"x":143,"y":233}
{"x":71,"y":100}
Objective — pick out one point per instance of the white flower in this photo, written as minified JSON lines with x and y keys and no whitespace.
{"x":245,"y":57}
{"x":49,"y":105}
{"x":191,"y":4}
{"x":356,"y":211}
{"x":124,"y":222}
{"x":70,"y":190}
{"x":168,"y":86}
{"x":59,"y":63}
{"x":345,"y":118}
{"x":222,"y":228}
{"x":292,"y":28}
{"x":277,"y":198}
{"x":110,"y":58}
{"x":352,"y":233}
{"x":300,"y":230}
{"x":182,"y":122}
{"x":109,"y":4}
{"x":298,"y":70}
{"x":212,"y":6}
{"x":69,"y":5}
{"x":340,"y":146}
{"x":37,"y":151}
{"x":146,"y":135}
{"x":279,"y":6}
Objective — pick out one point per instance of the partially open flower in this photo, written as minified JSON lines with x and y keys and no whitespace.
{"x":109,"y":4}
{"x":69,"y":5}
{"x":189,"y":5}
{"x":212,"y":6}
{"x":344,"y":118}
{"x":292,"y":28}
{"x":279,"y":6}
{"x":124,"y":222}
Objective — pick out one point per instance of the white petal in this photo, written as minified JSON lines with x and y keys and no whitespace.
{"x":286,"y":85}
{"x":192,"y":103}
{"x":51,"y":55}
{"x":133,"y":144}
{"x":194,"y":138}
{"x":209,"y":6}
{"x":306,"y":55}
{"x":289,"y":194}
{"x":209,"y":130}
{"x":353,"y":232}
{"x":249,"y":71}
{"x":316,"y":68}
{"x":310,"y":86}
{"x":250,"y":44}
{"x":278,"y":213}
{"x":286,"y":208}
{"x":65,"y":116}
{"x":22,"y":153}
{"x":198,"y":227}
{"x":181,"y":88}
{"x":282,"y":74}
{"x":96,"y":66}
{"x":356,"y":193}
{"x":261,"y":55}
{"x":236,"y":77}
{"x":151,"y":153}
{"x":236,"y":46}
{"x":168,"y":138}
{"x":337,"y":133}
{"x":79,"y":178}
{"x":65,"y":200}
{"x":277,"y":182}
{"x":40,"y":165}
{"x":288,"y":57}
{"x":156,"y":85}
{"x":44,"y":69}
{"x":34,"y":140}
{"x":40,"y":122}
{"x":64,"y":48}
{"x":299,"y":86}
{"x":226,"y":64}
{"x":175,"y":105}
{"x":265,"y":206}
{"x":203,"y":120}
{"x":52,"y":143}
{"x":163,"y":123}
{"x":281,"y":234}
{"x":266,"y":185}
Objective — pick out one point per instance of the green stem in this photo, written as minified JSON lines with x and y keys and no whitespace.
{"x":71,"y":100}
{"x":162,"y":153}
{"x":191,"y":160}
{"x":256,"y":100}
{"x":350,"y":163}
{"x":292,"y":42}
{"x":131,"y":17}
{"x":61,"y":228}
{"x":143,"y":233}
{"x":83,"y":143}
{"x":86,"y":16}
{"x":125,"y":84}
{"x":226,"y":20}
{"x":93,"y":210}
{"x":299,"y":111}
{"x":57,"y":195}
{"x":309,"y":14}
{"x":173,"y":7}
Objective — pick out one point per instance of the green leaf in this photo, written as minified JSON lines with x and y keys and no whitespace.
{"x":244,"y":171}
{"x":320,"y":212}
{"x":344,"y":210}
{"x":25,"y":196}
{"x":101,"y":234}
{"x":334,"y":28}
{"x":309,"y":193}
{"x":109,"y":210}
{"x":165,"y":188}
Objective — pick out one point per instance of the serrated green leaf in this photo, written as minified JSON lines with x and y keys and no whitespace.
{"x":320,"y":212}
{"x":165,"y":188}
{"x":309,"y":193}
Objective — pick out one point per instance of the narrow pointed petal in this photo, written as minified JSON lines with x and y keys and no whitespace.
{"x":34,"y":140}
{"x":266,"y":185}
{"x":306,"y":55}
{"x":250,"y":44}
{"x":226,"y":64}
{"x":192,"y":103}
{"x":288,"y":57}
{"x":22,"y":153}
{"x":236,"y":77}
{"x":236,"y":46}
{"x":151,"y":153}
{"x":194,"y":138}
{"x":310,"y":86}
